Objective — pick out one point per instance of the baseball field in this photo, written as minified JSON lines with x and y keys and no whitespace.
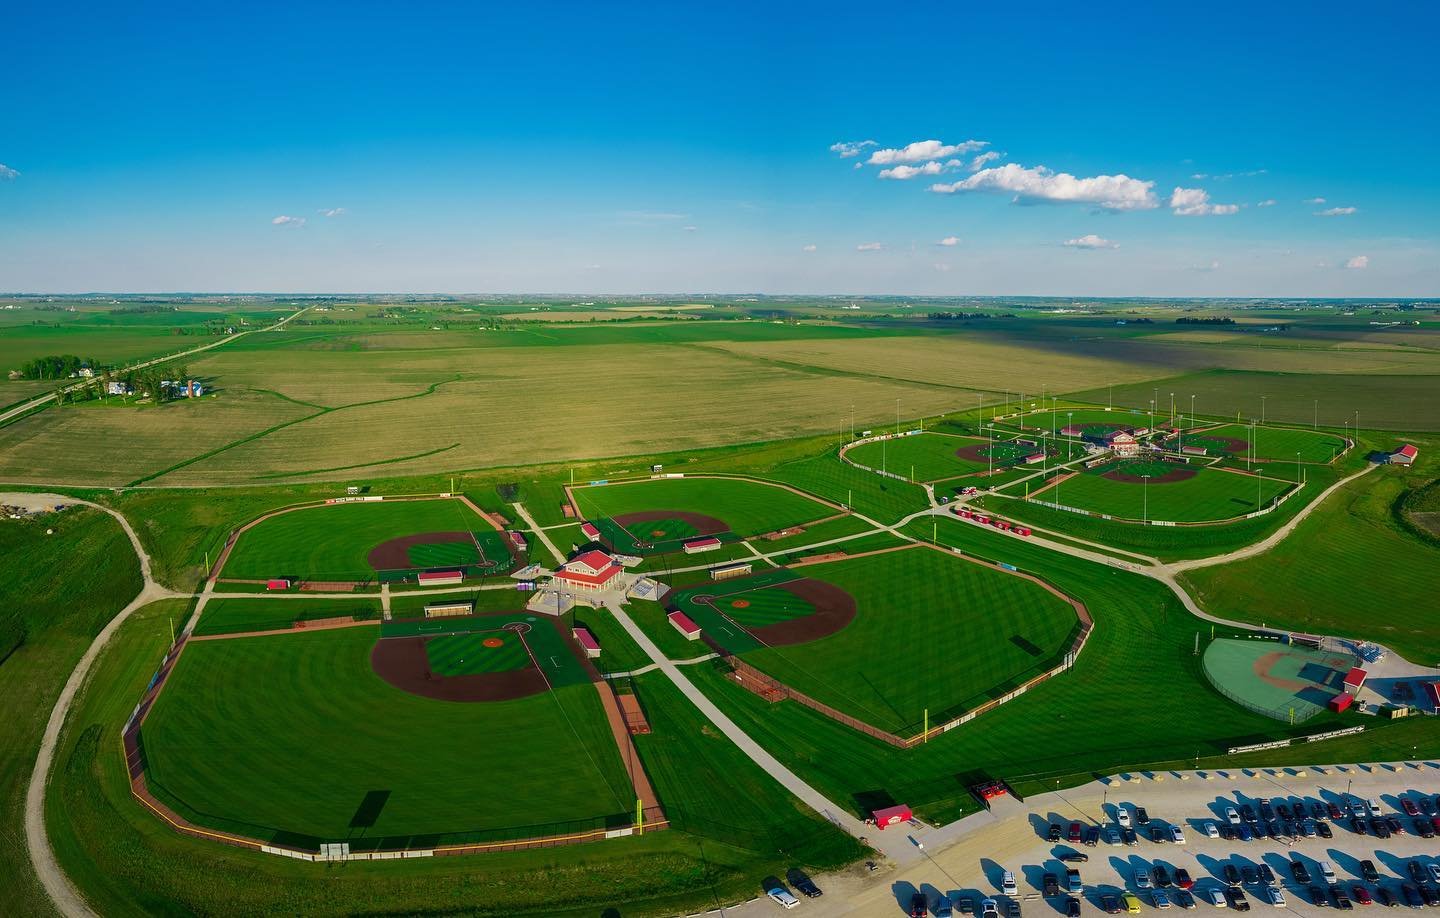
{"x":1137,"y":489}
{"x":356,"y":541}
{"x":929,"y":631}
{"x":1278,"y":443}
{"x":295,"y":738}
{"x":746,"y":508}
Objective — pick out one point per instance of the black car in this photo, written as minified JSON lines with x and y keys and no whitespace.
{"x":1417,"y":872}
{"x":1055,"y":832}
{"x":1162,"y":877}
{"x":1249,"y":875}
{"x":1431,"y":897}
{"x":1323,"y":830}
{"x":1074,"y":857}
{"x":1072,"y":907}
{"x":1227,"y":832}
{"x":1427,"y":806}
{"x":1300,"y":872}
{"x":1368,"y":872}
{"x":1423,"y":827}
{"x":919,"y":906}
{"x":1158,"y":835}
{"x":1141,"y":817}
{"x":1379,"y":827}
{"x":1266,"y":810}
{"x":1395,"y":826}
{"x":1092,"y":836}
{"x":1232,"y":875}
{"x":1110,"y":905}
{"x":1247,"y":812}
{"x":1385,"y":897}
{"x":1267,"y":876}
{"x":1319,"y":896}
{"x":1237,"y":900}
{"x":807,"y":887}
{"x":1129,"y":837}
{"x":1342,"y":900}
{"x":1184,"y":899}
{"x":1012,"y":908}
{"x":1357,"y":825}
{"x":1283,"y":810}
{"x":1051,"y":884}
{"x":1412,"y":896}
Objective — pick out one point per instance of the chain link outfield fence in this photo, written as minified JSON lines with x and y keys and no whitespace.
{"x":1255,"y":673}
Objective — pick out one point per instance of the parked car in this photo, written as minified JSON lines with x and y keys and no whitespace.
{"x":782,"y":898}
{"x":1276,"y":897}
{"x":988,"y":909}
{"x":1092,"y":836}
{"x":1129,"y":836}
{"x":1308,"y":829}
{"x":1323,"y":828}
{"x":1177,"y":837}
{"x":1319,"y":897}
{"x":1327,"y":870}
{"x":1395,"y":826}
{"x":1299,"y":871}
{"x":1243,"y":833}
{"x":919,"y":906}
{"x":1161,"y":876}
{"x":1142,"y":879}
{"x":1362,"y":894}
{"x":1072,"y":907}
{"x":1342,"y":901}
{"x":1211,"y":830}
{"x":1380,"y":827}
{"x":1368,"y":872}
{"x":1050,"y":884}
{"x":1434,"y":871}
{"x":1232,"y":875}
{"x":1007,"y":883}
{"x":1417,"y":871}
{"x":1423,"y":828}
{"x":1232,"y":815}
{"x":1357,"y":825}
{"x":1412,"y":896}
{"x":1141,"y":816}
{"x":1227,"y":831}
{"x":1374,"y":806}
{"x":1076,"y":831}
{"x":1283,"y":810}
{"x":1236,"y":897}
{"x":1132,"y":903}
{"x":1055,"y":832}
{"x":1431,"y":897}
{"x":1110,"y":905}
{"x":1072,"y":881}
{"x":1122,"y":815}
{"x":1158,"y":835}
{"x":1184,"y":899}
{"x":1182,"y":878}
{"x":1409,"y":807}
{"x":1074,"y":857}
{"x":1112,"y":836}
{"x":1160,"y":899}
{"x":1267,"y":810}
{"x":1249,"y":874}
{"x":1385,"y":897}
{"x":1247,"y":812}
{"x":1335,"y":811}
{"x":966,"y":905}
{"x":1012,"y":908}
{"x":1216,"y":897}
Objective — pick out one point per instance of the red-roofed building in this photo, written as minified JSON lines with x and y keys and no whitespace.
{"x":891,"y":815}
{"x":1405,"y":455}
{"x":1354,"y":680}
{"x":591,"y":570}
{"x":440,"y":578}
{"x":685,"y":625}
{"x":277,"y":584}
{"x":589,"y":531}
{"x":694,"y":546}
{"x":587,"y":642}
{"x":1123,"y":444}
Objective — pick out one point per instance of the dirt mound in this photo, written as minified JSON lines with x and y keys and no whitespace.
{"x":834,"y":609}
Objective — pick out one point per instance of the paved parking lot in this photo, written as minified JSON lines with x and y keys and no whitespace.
{"x":972,"y":864}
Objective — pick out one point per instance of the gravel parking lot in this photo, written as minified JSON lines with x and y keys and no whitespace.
{"x":972,"y":863}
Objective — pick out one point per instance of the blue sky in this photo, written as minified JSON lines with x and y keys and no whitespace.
{"x":669,"y":148}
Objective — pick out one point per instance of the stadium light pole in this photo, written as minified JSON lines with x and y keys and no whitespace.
{"x":1172,"y":409}
{"x":1315,"y":422}
{"x":1192,"y":409}
{"x":897,"y":417}
{"x":1262,"y":408}
{"x":1111,"y":387}
{"x":1145,"y":499}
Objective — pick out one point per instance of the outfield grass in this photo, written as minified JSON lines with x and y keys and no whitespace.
{"x":926,"y":456}
{"x":332,"y":542}
{"x":747,"y":507}
{"x":1350,"y":568}
{"x":232,"y":616}
{"x":1210,"y":495}
{"x":285,"y":736}
{"x":931,"y":631}
{"x":476,"y":652}
{"x":56,"y":592}
{"x":735,"y":831}
{"x":821,"y":532}
{"x":884,"y":500}
{"x":1278,"y":443}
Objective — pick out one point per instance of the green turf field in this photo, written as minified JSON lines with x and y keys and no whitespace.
{"x":232,"y":616}
{"x":1278,"y":443}
{"x":766,"y":606}
{"x":1097,"y":418}
{"x":931,"y":631}
{"x":443,"y":554}
{"x":1299,"y":682}
{"x":747,"y":507}
{"x":554,"y":657}
{"x":931,"y":456}
{"x":332,"y":542}
{"x":1210,"y":495}
{"x":297,"y":735}
{"x":467,"y":654}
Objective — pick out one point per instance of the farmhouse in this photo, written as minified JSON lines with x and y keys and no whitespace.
{"x":591,"y":570}
{"x":119,"y":387}
{"x":1405,"y":455}
{"x":1123,"y":444}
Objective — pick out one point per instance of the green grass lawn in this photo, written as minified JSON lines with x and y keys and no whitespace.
{"x":931,"y":631}
{"x":882,"y":499}
{"x":821,"y":532}
{"x":1351,"y":568}
{"x":286,"y":736}
{"x":466,"y":654}
{"x":1278,"y":443}
{"x":56,"y":592}
{"x":1210,"y":495}
{"x":747,"y":507}
{"x":231,"y":616}
{"x":926,"y":456}
{"x":332,"y":542}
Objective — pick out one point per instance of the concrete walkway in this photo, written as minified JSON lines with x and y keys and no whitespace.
{"x":539,"y":533}
{"x":62,"y":892}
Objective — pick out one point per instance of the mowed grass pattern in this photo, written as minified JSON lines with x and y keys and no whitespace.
{"x":443,"y":554}
{"x":333,"y":541}
{"x":466,"y":654}
{"x":930,"y":456}
{"x":765,"y":606}
{"x":235,"y":615}
{"x":1280,"y":443}
{"x":932,"y":631}
{"x":1210,"y":495}
{"x":747,"y":507}
{"x":291,"y":733}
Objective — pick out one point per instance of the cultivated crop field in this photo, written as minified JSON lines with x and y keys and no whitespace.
{"x":1210,"y":495}
{"x":295,"y":735}
{"x":333,"y":542}
{"x":931,"y":631}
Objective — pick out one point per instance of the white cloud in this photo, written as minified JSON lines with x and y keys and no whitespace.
{"x":949,"y":241}
{"x":807,"y":248}
{"x":1359,"y":262}
{"x":1092,"y":241}
{"x":979,"y":162}
{"x":870,"y":247}
{"x":849,"y":148}
{"x":1336,"y":212}
{"x":1195,"y":202}
{"x":1225,"y":176}
{"x":1268,"y":202}
{"x":332,"y":211}
{"x":1313,"y":201}
{"x":1112,"y":192}
{"x":284,"y":220}
{"x":922,"y":150}
{"x":6,"y":173}
{"x":909,"y":172}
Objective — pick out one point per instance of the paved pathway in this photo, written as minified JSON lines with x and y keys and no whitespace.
{"x":66,"y":897}
{"x":539,"y":533}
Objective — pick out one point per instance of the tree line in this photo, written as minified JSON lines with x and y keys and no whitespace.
{"x":144,"y":382}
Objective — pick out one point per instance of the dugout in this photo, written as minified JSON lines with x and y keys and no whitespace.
{"x":449,"y":609}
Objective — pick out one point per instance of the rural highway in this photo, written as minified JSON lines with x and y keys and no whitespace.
{"x":40,"y":400}
{"x":67,"y":899}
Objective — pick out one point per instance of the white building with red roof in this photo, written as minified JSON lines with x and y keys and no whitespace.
{"x":1125,"y":445}
{"x":1405,"y":455}
{"x":591,"y":570}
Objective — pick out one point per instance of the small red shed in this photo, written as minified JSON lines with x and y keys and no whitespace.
{"x":589,"y":531}
{"x":440,"y":578}
{"x":891,"y":815}
{"x":695,"y":546}
{"x":685,"y":625}
{"x":1341,"y":702}
{"x":587,"y":642}
{"x":1354,"y":680}
{"x":277,"y":584}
